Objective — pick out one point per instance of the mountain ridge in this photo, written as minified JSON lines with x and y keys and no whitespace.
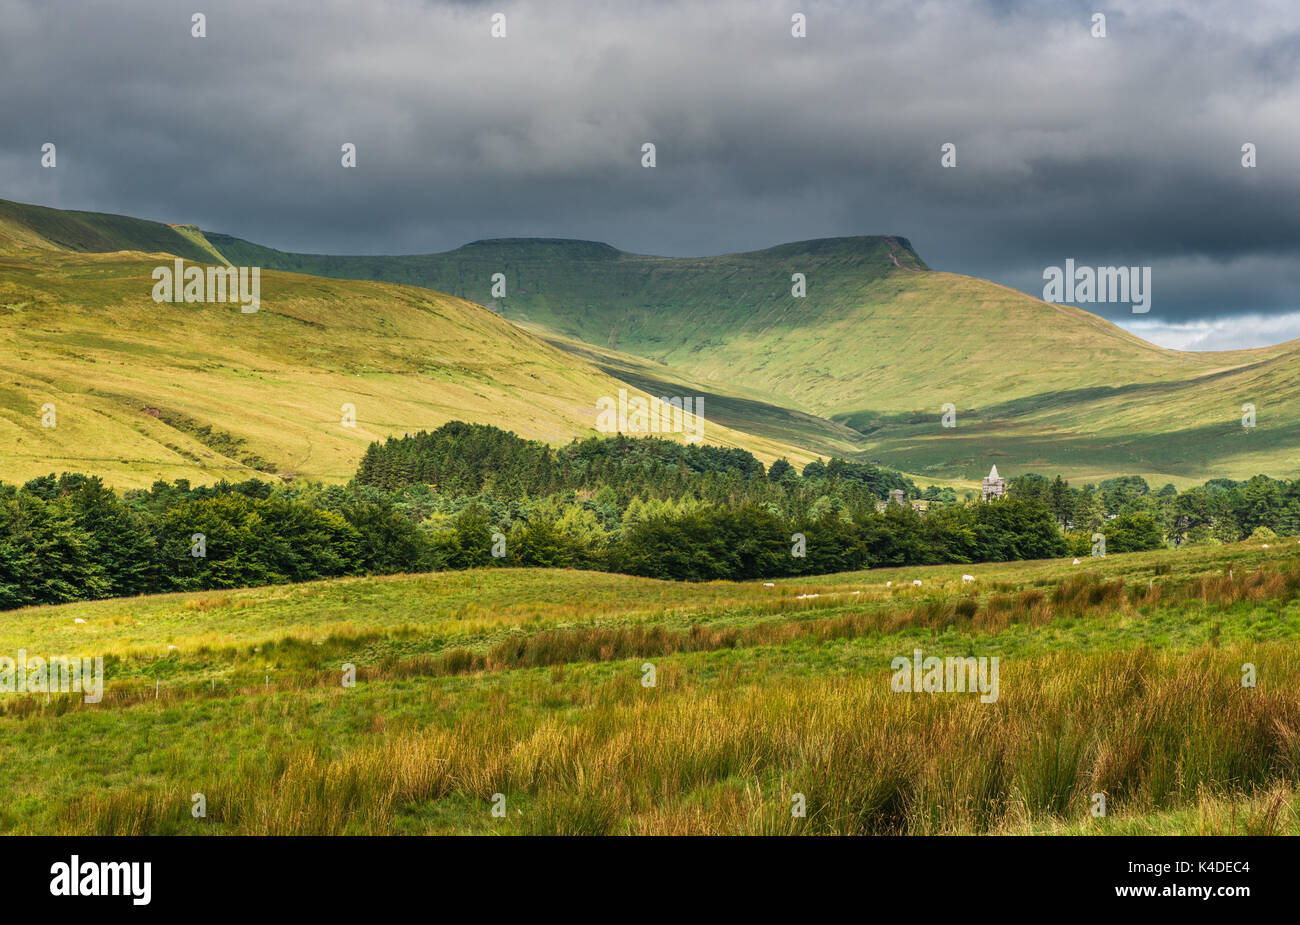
{"x":876,"y":344}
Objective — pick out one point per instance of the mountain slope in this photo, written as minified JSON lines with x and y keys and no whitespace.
{"x":881,"y":343}
{"x":143,"y":390}
{"x":25,"y":229}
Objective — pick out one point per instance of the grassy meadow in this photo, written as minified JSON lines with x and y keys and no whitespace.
{"x":1119,"y":675}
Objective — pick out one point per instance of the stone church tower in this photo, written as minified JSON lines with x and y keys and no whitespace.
{"x":994,"y":485}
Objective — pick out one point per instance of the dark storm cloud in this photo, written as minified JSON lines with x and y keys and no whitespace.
{"x":1125,"y":149}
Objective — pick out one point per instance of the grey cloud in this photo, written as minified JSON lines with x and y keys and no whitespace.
{"x":1117,"y":150}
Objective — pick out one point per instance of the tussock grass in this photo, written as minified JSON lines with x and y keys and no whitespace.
{"x":1120,"y":678}
{"x":304,"y":662}
{"x":1153,"y":731}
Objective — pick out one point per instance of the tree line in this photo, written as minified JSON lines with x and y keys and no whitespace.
{"x":468,"y":496}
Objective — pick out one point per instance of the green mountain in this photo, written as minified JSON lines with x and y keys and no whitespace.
{"x":877,"y":348}
{"x":137,"y":390}
{"x":864,"y":363}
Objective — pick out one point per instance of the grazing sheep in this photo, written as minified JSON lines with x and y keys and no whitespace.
{"x":78,"y":620}
{"x":769,"y":584}
{"x":888,"y":584}
{"x":916,"y":582}
{"x":1076,"y":561}
{"x":968,"y":578}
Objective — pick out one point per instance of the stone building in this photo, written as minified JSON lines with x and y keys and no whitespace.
{"x":895,"y":496}
{"x":994,"y":485}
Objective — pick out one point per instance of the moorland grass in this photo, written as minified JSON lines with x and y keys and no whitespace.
{"x":1120,"y":676}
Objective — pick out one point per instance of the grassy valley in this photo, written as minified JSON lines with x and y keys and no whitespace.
{"x":338,"y":659}
{"x":880,"y":343}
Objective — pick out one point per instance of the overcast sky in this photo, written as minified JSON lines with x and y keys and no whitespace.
{"x":1117,"y":150}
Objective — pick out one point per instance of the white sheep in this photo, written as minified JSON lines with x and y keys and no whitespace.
{"x":968,"y":578}
{"x":916,"y":582}
{"x":769,"y":584}
{"x":1076,"y":561}
{"x":78,"y":620}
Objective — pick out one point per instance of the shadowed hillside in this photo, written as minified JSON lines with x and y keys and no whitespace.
{"x":25,"y":228}
{"x":881,"y":343}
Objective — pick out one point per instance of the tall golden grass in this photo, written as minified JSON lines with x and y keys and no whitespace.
{"x":1156,"y":732}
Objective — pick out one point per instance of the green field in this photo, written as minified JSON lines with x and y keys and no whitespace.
{"x":1119,"y":675}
